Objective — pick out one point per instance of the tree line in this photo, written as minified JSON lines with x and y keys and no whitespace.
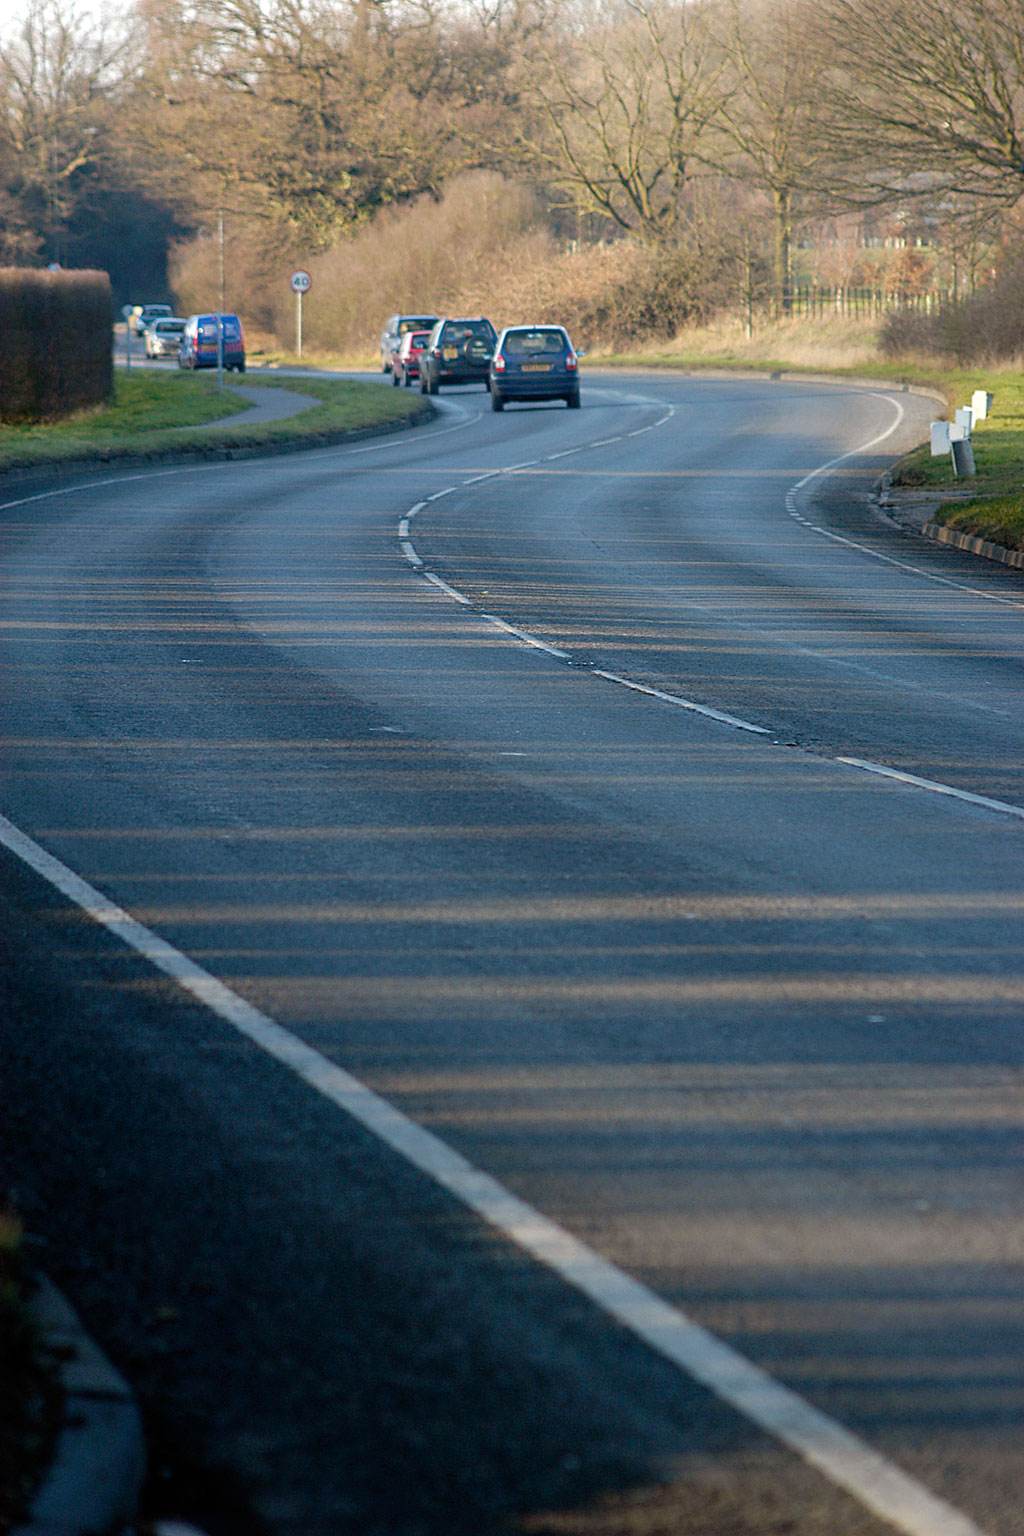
{"x":719,"y":128}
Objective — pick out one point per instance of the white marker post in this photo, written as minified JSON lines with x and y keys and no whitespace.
{"x":301,"y":283}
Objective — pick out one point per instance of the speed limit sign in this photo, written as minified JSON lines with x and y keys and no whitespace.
{"x":301,"y":281}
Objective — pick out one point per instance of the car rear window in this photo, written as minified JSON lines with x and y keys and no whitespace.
{"x":169,"y":327}
{"x":208,"y":328}
{"x":416,"y":323}
{"x":463,"y":330}
{"x":533,"y":343}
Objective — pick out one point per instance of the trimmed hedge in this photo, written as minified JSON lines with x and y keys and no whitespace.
{"x":56,"y":343}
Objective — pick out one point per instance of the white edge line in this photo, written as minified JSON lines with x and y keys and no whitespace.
{"x":410,"y":554}
{"x":936,"y":788}
{"x":392,"y":441}
{"x":876,"y":1483}
{"x":403,"y":528}
{"x":902,"y":565}
{"x":681,"y":703}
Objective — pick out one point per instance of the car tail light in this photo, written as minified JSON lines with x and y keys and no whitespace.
{"x":572,"y":362}
{"x":499,"y":363}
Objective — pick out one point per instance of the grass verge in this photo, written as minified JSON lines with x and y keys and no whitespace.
{"x":155,"y":414}
{"x":29,"y":1394}
{"x":996,"y":509}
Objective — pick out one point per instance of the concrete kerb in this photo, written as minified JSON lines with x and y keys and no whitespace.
{"x":93,"y":1484}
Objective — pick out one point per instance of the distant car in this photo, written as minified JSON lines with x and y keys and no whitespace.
{"x":534,"y":362}
{"x":391,"y":336}
{"x":145,"y":314}
{"x":458,"y":352}
{"x":405,"y":363}
{"x":163,"y":336}
{"x":198,"y":344}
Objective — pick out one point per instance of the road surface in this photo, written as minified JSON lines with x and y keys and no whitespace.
{"x":533,"y":773}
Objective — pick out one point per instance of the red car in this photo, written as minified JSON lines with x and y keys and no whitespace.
{"x":405,"y":362}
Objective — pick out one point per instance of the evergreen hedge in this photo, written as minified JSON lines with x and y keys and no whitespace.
{"x":56,"y":342}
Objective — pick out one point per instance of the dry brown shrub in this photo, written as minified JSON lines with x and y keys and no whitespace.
{"x":985,"y":327}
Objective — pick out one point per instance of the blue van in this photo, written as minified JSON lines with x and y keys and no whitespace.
{"x":198,"y":347}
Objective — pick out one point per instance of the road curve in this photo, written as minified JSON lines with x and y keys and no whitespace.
{"x":536,"y":772}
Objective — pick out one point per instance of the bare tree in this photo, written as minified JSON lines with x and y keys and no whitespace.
{"x":772,"y":117}
{"x":56,"y":78}
{"x":306,"y":113}
{"x":629,"y":97}
{"x":926,"y":97}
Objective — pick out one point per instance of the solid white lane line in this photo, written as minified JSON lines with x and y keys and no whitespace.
{"x":681,"y":703}
{"x":905,"y":565}
{"x":936,"y":788}
{"x":193,"y":469}
{"x":876,"y":1483}
{"x":865,"y":549}
{"x":403,"y":529}
{"x":703,"y":709}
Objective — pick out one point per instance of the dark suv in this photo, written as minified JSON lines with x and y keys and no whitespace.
{"x":458,"y":352}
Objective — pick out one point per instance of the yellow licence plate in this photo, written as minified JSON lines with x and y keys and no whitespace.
{"x":451,"y":353}
{"x":536,"y":367}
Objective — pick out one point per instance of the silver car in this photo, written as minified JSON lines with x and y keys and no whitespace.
{"x":163,"y":336}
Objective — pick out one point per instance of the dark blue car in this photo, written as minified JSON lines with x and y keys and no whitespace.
{"x":534,"y":362}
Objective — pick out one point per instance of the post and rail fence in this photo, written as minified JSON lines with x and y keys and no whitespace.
{"x":820,"y":302}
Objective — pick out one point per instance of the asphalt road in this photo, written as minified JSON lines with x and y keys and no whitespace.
{"x":739,"y":1016}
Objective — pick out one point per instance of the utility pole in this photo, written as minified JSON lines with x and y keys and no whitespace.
{"x":220,"y":299}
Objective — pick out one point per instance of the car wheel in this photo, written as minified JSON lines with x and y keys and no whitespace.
{"x":433,"y":387}
{"x":497,"y":403}
{"x":394,"y":378}
{"x":407,"y":380}
{"x":573,"y":400}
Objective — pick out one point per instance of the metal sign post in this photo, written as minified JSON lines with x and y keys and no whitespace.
{"x":301,"y":283}
{"x":127,"y":311}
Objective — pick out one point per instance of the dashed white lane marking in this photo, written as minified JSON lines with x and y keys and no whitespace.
{"x":458,"y":597}
{"x":876,"y":1483}
{"x":691,"y":705}
{"x":1003,"y":806}
{"x":865,"y":549}
{"x":521,"y":634}
{"x":681,"y":703}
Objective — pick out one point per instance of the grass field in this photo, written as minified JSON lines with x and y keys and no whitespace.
{"x":157,"y":413}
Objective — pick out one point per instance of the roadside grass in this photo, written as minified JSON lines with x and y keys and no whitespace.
{"x":995,"y":510}
{"x":271,"y":356}
{"x":159,"y":413}
{"x":29,"y":1395}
